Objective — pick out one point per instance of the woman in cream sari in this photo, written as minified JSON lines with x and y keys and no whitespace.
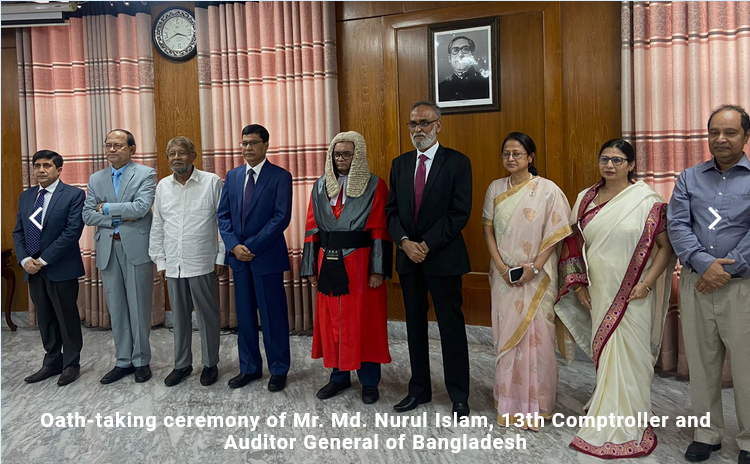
{"x":613,"y":299}
{"x":524,"y":217}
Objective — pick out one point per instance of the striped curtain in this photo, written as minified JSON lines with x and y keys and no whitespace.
{"x":680,"y":60}
{"x":274,"y":64}
{"x":76,"y":83}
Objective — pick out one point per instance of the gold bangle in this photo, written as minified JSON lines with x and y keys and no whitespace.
{"x":578,"y":289}
{"x":647,"y":287}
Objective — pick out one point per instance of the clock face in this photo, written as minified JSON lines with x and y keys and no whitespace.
{"x":174,"y":34}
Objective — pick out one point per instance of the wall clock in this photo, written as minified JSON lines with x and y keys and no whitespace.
{"x":174,"y":34}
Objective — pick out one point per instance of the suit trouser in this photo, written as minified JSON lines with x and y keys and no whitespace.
{"x":447,"y":299}
{"x":264,"y":293}
{"x":59,"y":323}
{"x":129,"y":290}
{"x":714,"y":324}
{"x":202,"y":294}
{"x":368,"y":373}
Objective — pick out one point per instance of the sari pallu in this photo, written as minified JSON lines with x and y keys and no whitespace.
{"x":527,"y":220}
{"x":610,"y":251}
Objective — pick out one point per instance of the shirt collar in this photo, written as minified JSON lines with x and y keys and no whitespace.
{"x":257,"y":168}
{"x":711,"y":164}
{"x":195,"y":176}
{"x":121,"y":170}
{"x":430,"y":153}
{"x":51,"y":187}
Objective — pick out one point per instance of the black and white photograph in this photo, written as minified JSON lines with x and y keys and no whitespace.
{"x":463,"y":66}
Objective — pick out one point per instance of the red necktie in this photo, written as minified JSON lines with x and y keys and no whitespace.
{"x":419,"y":182}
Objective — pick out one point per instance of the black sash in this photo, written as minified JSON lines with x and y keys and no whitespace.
{"x":333,"y":279}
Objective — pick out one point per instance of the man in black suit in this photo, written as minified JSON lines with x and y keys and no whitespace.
{"x":48,"y":226}
{"x":428,"y":206}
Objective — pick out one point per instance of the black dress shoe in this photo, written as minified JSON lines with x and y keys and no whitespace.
{"x":276,"y":383}
{"x":409,"y":403}
{"x":43,"y":373}
{"x":461,"y":409}
{"x":332,"y":389}
{"x":744,"y":457}
{"x":116,"y":374}
{"x":242,"y":379}
{"x":698,"y":451}
{"x":143,"y":373}
{"x":176,"y":376}
{"x":209,"y":376}
{"x":370,"y":395}
{"x":69,"y":374}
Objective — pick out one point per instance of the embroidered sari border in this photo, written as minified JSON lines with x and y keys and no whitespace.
{"x":631,"y":449}
{"x":556,"y":236}
{"x":524,"y":325}
{"x":511,"y":192}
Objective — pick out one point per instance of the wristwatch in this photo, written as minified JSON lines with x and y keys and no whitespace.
{"x":536,"y":271}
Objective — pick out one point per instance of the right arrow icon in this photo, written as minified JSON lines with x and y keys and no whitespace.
{"x":718,"y":218}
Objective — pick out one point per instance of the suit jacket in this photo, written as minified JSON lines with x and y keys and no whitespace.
{"x":443,"y":213}
{"x":62,"y":228}
{"x":137,"y":191}
{"x":269,"y":216}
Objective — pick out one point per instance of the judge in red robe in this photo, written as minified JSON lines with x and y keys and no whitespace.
{"x":347,"y":255}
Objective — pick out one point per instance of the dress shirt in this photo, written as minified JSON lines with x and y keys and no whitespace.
{"x":342,"y":183}
{"x":47,"y":197}
{"x":728,"y":193}
{"x":257,"y":169}
{"x":105,"y":207}
{"x":185,"y":234}
{"x":430,"y":154}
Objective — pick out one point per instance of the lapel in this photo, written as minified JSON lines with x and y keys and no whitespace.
{"x":437,"y":162}
{"x":260,"y":184}
{"x":238,"y":185}
{"x":52,"y":202}
{"x":109,"y":187}
{"x":127,"y":176}
{"x":411,"y":166}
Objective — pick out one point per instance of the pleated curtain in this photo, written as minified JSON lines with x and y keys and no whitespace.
{"x":274,"y":64}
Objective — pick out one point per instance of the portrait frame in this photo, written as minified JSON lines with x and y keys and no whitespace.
{"x":478,"y":88}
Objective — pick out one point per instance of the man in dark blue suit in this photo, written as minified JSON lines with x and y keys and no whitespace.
{"x":254,"y":210}
{"x":48,"y":226}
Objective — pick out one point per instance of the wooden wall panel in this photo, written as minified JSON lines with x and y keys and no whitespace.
{"x":176,"y":98}
{"x":557,"y":84}
{"x":591,"y":88}
{"x":11,"y":163}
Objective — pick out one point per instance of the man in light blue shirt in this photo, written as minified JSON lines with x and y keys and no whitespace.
{"x":709,"y":226}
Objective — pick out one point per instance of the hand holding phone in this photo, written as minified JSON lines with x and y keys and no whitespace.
{"x":515,"y":274}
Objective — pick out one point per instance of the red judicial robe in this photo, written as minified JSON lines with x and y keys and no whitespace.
{"x":351,"y":329}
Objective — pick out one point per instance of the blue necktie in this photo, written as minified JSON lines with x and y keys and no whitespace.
{"x":116,"y":182}
{"x":247,"y":198}
{"x":35,"y":233}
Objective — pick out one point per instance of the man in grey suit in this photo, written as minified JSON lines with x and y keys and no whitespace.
{"x":119,"y":203}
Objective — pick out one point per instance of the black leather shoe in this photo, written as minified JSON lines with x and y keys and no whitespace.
{"x":409,"y":403}
{"x":209,"y":376}
{"x":461,"y":409}
{"x":116,"y":374}
{"x":698,"y":451}
{"x":332,"y":389}
{"x":42,"y":374}
{"x":242,"y":379}
{"x":370,"y":395}
{"x":744,"y":457}
{"x":143,"y":373}
{"x":69,"y":374}
{"x":177,"y":376}
{"x":276,"y":383}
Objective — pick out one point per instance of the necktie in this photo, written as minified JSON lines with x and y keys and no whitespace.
{"x":419,"y":182}
{"x":35,"y":233}
{"x":248,"y":196}
{"x":116,"y":182}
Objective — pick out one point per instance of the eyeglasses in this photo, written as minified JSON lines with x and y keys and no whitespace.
{"x":424,"y":124}
{"x":116,"y":146}
{"x":251,"y":143}
{"x":616,"y":160}
{"x":517,"y":155}
{"x":465,"y":49}
{"x":342,"y":155}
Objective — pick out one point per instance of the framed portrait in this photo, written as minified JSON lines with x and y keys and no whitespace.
{"x":463,"y":65}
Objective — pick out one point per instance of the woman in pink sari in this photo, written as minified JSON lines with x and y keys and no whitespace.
{"x":524,"y":217}
{"x":613,"y":298}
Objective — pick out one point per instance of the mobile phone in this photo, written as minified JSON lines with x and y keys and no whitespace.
{"x":515,"y":274}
